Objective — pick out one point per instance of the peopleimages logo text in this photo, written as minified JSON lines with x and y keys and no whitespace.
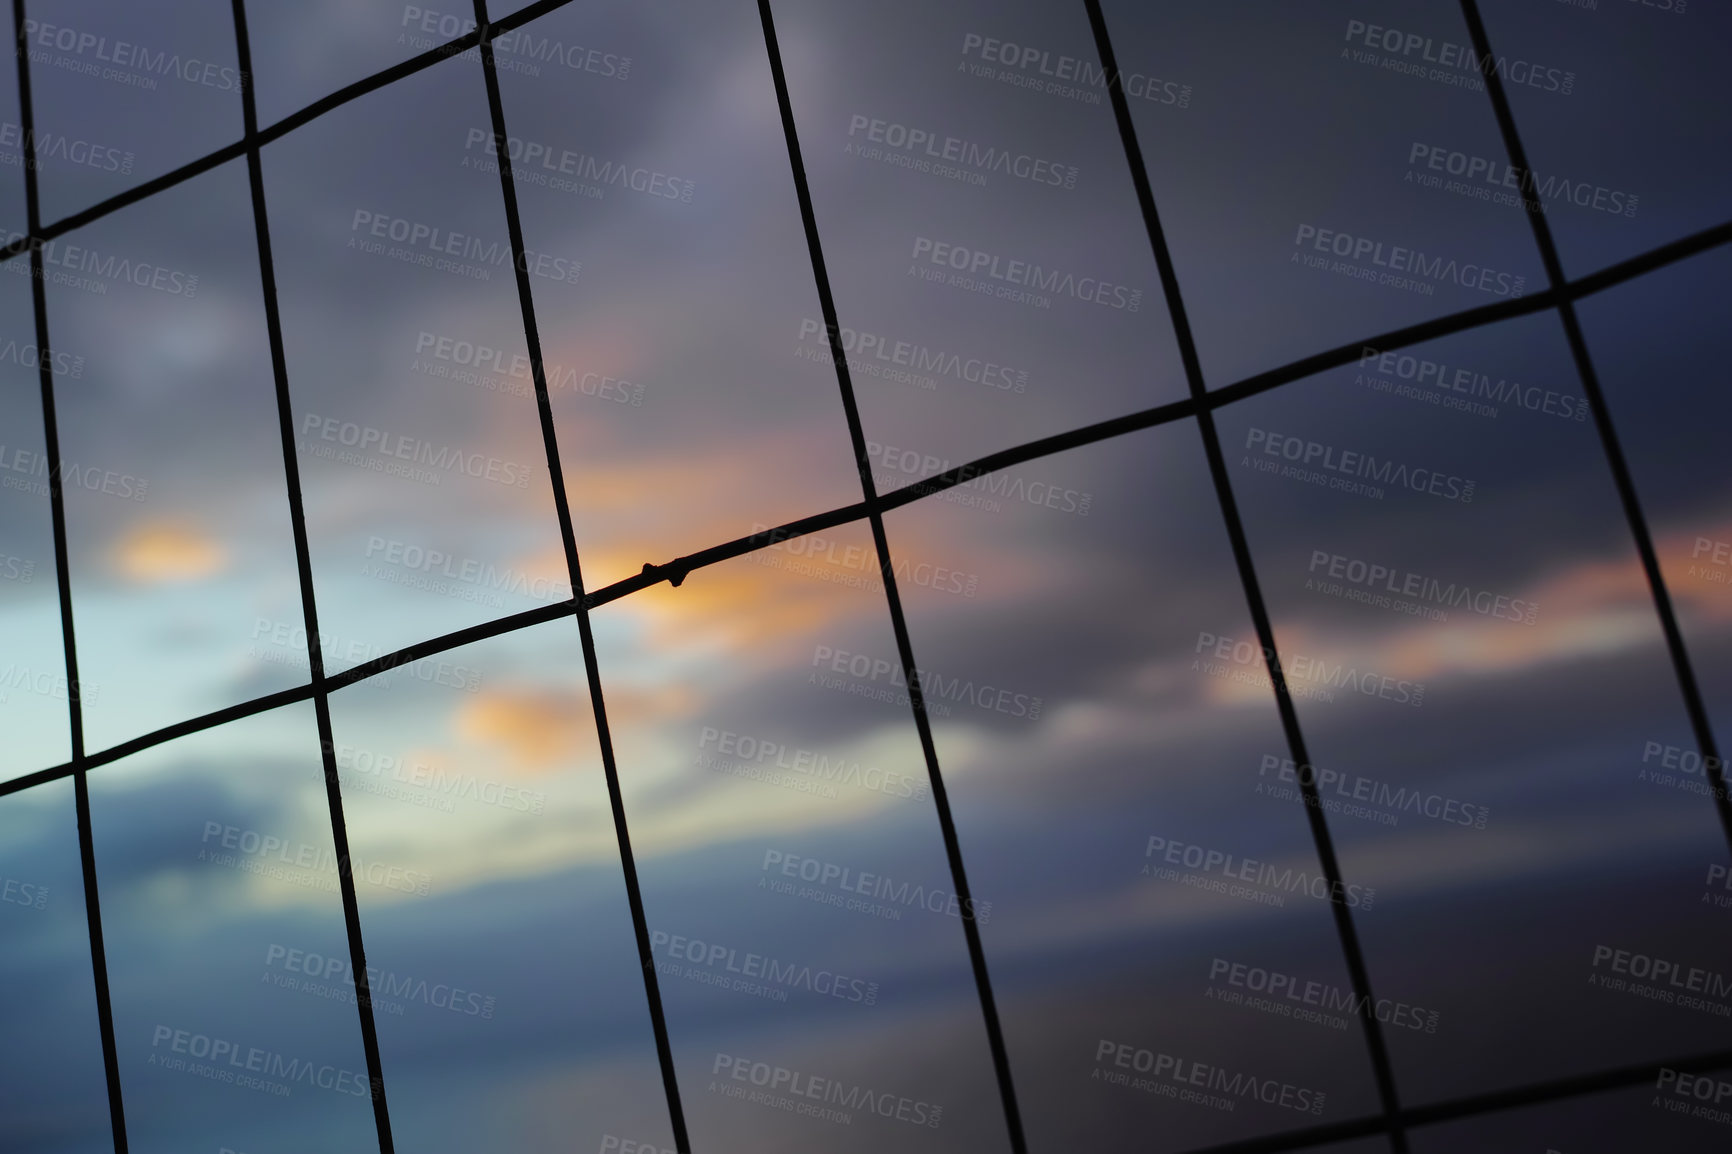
{"x":850,"y":880}
{"x":1026,"y":275}
{"x":518,"y":368}
{"x":80,"y":259}
{"x":406,"y":448}
{"x":1357,"y":787}
{"x":48,"y":146}
{"x":1068,"y":76}
{"x":125,"y":55}
{"x":436,"y":243}
{"x":256,"y":1061}
{"x":778,"y":974}
{"x":1360,"y":465}
{"x":1260,"y":873}
{"x":932,"y":685}
{"x":822,"y":766}
{"x":524,"y":43}
{"x":822,"y":552}
{"x":1528,"y":187}
{"x":1233,"y":1087}
{"x":1380,"y":579}
{"x":813,"y":1088}
{"x":303,"y":855}
{"x":469,"y":570}
{"x":380,"y":983}
{"x":30,"y":463}
{"x":1459,"y":60}
{"x":917,"y":357}
{"x":1439,"y":377}
{"x":997,"y":483}
{"x":1299,"y":667}
{"x":1664,"y":973}
{"x":374,"y":771}
{"x":534,"y":154}
{"x":1410,"y":261}
{"x":1307,"y":992}
{"x":967,"y":153}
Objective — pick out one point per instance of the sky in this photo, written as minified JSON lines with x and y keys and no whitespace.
{"x":1511,"y":781}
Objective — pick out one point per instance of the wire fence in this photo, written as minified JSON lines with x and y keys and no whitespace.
{"x":1394,"y":1119}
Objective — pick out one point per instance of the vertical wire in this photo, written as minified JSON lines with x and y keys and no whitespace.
{"x":1375,"y":1045}
{"x":309,"y":608}
{"x":898,"y":622}
{"x":1621,"y":476}
{"x":568,"y":537}
{"x":63,"y":577}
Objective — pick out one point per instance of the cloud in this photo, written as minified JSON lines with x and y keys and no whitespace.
{"x":165,"y":551}
{"x":539,"y":730}
{"x":1584,"y":609}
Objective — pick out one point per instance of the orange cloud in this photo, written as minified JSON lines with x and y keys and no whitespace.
{"x":1694,"y":578}
{"x":167,"y":551}
{"x":538,"y":730}
{"x":1588,"y":608}
{"x":633,"y":705}
{"x":750,"y":603}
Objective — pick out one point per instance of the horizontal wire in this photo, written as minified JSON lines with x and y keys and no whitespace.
{"x":274,"y":131}
{"x":674,"y":572}
{"x":1474,"y":1105}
